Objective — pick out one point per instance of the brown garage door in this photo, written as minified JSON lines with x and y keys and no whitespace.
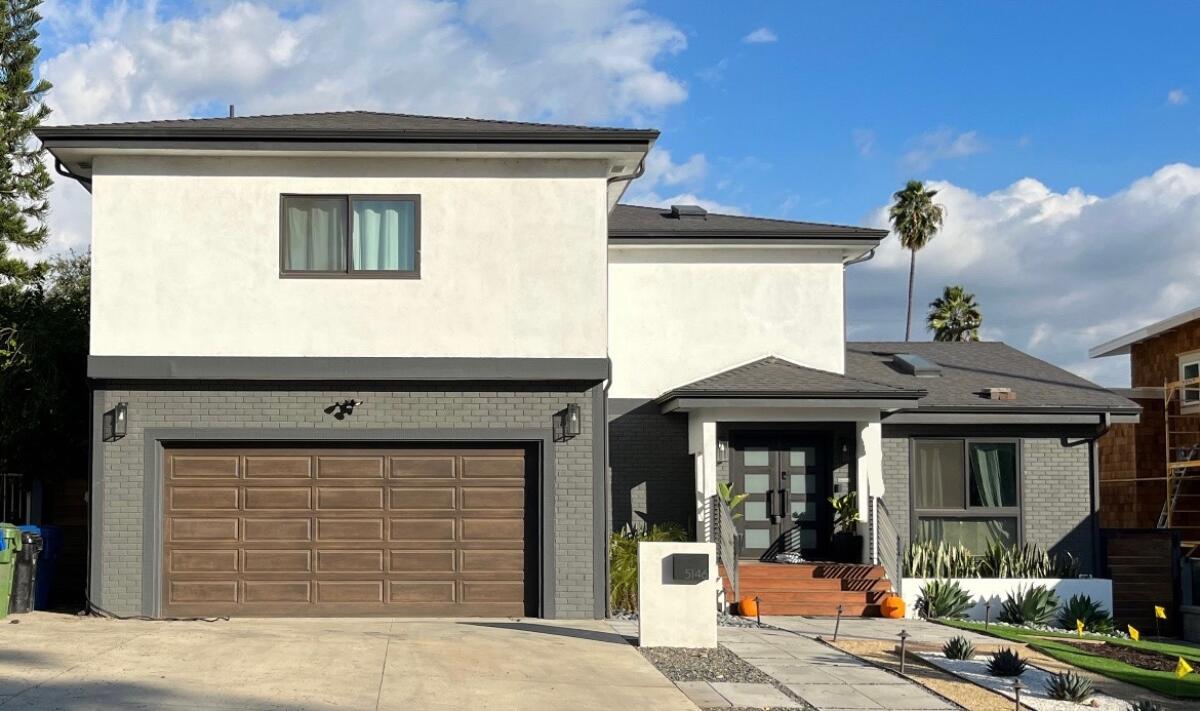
{"x":403,"y":532}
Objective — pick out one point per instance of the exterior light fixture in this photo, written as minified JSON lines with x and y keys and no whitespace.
{"x":115,"y":422}
{"x":722,"y":451}
{"x":572,"y":421}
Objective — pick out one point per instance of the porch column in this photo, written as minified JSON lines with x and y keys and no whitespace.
{"x":702,"y":443}
{"x":870,"y":480}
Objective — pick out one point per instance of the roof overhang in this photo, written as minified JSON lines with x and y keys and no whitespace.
{"x":817,"y":241}
{"x":1123,"y":344}
{"x":686,"y":401}
{"x":1038,"y":416}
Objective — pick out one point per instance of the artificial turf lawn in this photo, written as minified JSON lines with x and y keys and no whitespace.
{"x":1160,"y":681}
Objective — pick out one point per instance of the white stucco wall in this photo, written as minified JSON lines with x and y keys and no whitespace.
{"x":674,"y":613}
{"x":677,"y":315}
{"x":186,"y":260}
{"x":995,"y":590}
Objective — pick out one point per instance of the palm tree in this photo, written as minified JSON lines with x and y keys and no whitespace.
{"x":916,"y":218}
{"x":954,"y":316}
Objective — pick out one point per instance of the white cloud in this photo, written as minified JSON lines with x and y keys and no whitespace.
{"x":682,"y":180}
{"x":1054,"y":272}
{"x":942,"y":144}
{"x":589,"y":61}
{"x":654,"y":199}
{"x":1177,"y":97}
{"x":864,"y":140}
{"x":763,"y":35}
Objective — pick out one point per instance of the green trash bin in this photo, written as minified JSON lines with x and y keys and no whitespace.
{"x":10,"y":546}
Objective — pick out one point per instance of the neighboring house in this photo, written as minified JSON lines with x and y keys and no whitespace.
{"x":361,"y":363}
{"x":1133,"y":457}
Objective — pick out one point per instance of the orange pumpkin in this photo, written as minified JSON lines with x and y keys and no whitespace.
{"x":748,"y":607}
{"x":892,"y":607}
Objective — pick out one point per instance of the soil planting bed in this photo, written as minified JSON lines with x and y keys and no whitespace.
{"x":1134,"y":657}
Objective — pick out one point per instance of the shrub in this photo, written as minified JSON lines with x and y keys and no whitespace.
{"x":1081,"y":607}
{"x":1006,"y":663}
{"x":1144,"y":705}
{"x":1069,"y":686}
{"x":958,"y":648}
{"x":1034,"y":605}
{"x":943,"y":598}
{"x":1027,"y":561}
{"x":927,"y":559}
{"x":623,"y":556}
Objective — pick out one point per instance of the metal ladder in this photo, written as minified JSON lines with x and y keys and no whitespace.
{"x":1184,"y":456}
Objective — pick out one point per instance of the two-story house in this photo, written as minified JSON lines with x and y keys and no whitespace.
{"x":377,"y":364}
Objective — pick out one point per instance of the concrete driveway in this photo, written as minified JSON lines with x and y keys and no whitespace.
{"x":61,"y":662}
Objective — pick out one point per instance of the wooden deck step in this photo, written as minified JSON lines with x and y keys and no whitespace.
{"x":813,"y":589}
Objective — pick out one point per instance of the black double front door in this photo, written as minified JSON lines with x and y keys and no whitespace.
{"x":787,"y":478}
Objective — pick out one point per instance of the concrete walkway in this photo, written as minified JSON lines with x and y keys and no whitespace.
{"x":63,"y":662}
{"x":825,"y":677}
{"x":876,"y":628}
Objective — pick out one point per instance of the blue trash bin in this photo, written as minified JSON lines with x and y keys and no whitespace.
{"x":46,"y":564}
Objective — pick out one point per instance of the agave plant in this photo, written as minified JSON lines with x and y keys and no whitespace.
{"x":958,"y":648}
{"x":1034,"y":605}
{"x":1006,"y":663}
{"x":943,"y":598}
{"x":1144,"y":705}
{"x":1069,"y":686}
{"x":930,"y":559}
{"x":1081,"y":607}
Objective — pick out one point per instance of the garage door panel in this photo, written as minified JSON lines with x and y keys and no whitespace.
{"x":343,"y":467}
{"x":421,"y":561}
{"x":265,"y":498}
{"x":205,"y":466}
{"x":350,"y":591}
{"x":421,"y":498}
{"x":276,"y":591}
{"x":296,"y":530}
{"x":276,"y":561}
{"x":421,"y":467}
{"x":350,"y":498}
{"x":349,"y":529}
{"x":203,"y":561}
{"x":282,"y":467}
{"x":334,"y":531}
{"x":196,"y":530}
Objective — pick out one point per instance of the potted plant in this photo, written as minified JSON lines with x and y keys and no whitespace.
{"x":847,"y":543}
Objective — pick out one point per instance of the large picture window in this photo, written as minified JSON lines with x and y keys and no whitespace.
{"x":350,"y":235}
{"x":1189,"y":369}
{"x":966,"y":492}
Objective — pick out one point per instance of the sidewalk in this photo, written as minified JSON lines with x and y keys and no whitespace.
{"x":876,"y":628}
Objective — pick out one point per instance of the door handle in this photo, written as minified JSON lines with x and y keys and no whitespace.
{"x":771,"y":505}
{"x":783,"y":498}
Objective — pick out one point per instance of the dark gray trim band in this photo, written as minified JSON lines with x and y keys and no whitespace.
{"x":991,"y":418}
{"x":328,"y":368}
{"x":748,"y":240}
{"x":155,"y":440}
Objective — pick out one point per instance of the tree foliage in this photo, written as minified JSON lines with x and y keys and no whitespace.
{"x":954,"y":316}
{"x":43,"y":370}
{"x":916,"y":218}
{"x":24,"y":179}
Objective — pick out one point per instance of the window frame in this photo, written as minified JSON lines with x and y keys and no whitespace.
{"x":1187,"y":404}
{"x":915,"y":515}
{"x":349,"y":272}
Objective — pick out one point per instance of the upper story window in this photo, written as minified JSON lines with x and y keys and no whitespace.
{"x":1189,"y":369}
{"x":350,"y":236}
{"x":966,"y":492}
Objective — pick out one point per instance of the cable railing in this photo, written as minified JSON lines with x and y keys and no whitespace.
{"x":725,"y":535}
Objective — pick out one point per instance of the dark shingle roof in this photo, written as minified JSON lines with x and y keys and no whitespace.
{"x":776,"y":377}
{"x":628,"y":221}
{"x":968,"y":368}
{"x":343,"y":124}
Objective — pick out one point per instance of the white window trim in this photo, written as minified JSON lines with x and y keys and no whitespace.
{"x":1186,"y":359}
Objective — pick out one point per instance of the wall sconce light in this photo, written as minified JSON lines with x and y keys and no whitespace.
{"x":116,"y":422}
{"x":722,"y":451}
{"x":339,"y":410}
{"x":567,"y":422}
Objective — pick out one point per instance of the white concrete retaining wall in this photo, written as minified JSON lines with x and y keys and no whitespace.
{"x":983,"y":590}
{"x":673,"y":613}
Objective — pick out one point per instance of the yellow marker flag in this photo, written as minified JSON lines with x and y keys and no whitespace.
{"x":1160,"y":612}
{"x":1079,"y":627}
{"x":1134,"y":634}
{"x":1182,"y":669}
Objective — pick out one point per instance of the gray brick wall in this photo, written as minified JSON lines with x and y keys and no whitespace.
{"x":507,"y":405}
{"x":653,"y":476}
{"x":1056,"y":493}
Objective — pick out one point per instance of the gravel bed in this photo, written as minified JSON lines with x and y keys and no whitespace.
{"x":1034,"y":680}
{"x":723,"y":620}
{"x":720,"y":664}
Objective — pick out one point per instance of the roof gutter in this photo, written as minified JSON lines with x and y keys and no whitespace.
{"x":63,"y":170}
{"x":861,"y":258}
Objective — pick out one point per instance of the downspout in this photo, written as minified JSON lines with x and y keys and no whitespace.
{"x":63,"y":170}
{"x":637,"y":173}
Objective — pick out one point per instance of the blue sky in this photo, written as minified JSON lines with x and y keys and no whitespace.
{"x":1064,"y":137}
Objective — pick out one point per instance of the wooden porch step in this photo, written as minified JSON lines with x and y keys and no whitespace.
{"x":810,"y":570}
{"x":809,"y":609}
{"x":831,"y":598}
{"x":814,"y":585}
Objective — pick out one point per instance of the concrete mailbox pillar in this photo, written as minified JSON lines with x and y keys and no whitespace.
{"x":677,"y":594}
